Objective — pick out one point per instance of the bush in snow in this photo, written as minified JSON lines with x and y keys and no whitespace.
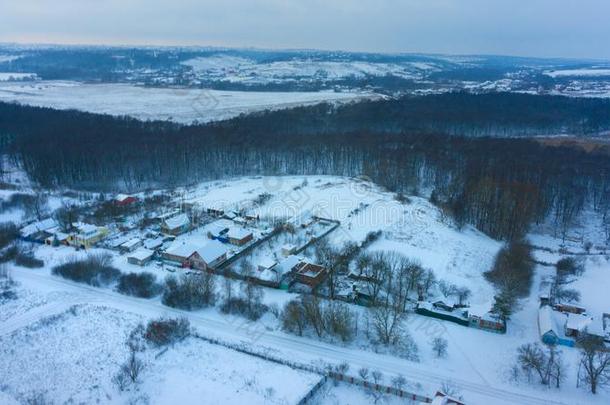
{"x":7,"y":285}
{"x":190,"y":293}
{"x":94,"y":270}
{"x":323,"y":318}
{"x":161,"y":332}
{"x":8,"y":233}
{"x":27,"y":259}
{"x":142,"y":285}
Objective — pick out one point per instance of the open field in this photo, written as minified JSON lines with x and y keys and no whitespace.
{"x":148,"y":103}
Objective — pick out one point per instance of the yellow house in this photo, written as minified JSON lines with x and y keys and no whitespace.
{"x":87,"y":236}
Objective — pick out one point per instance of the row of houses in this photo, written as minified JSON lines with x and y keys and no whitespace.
{"x":49,"y":232}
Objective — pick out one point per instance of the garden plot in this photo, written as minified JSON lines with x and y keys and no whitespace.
{"x":223,"y":376}
{"x":72,"y":357}
{"x":69,"y":357}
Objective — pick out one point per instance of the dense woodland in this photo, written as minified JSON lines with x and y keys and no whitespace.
{"x":501,"y":185}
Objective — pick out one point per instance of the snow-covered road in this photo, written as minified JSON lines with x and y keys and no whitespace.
{"x":294,"y":348}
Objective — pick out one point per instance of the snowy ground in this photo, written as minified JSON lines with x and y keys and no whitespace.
{"x":147,"y":103}
{"x":72,"y":355}
{"x":478,"y":362}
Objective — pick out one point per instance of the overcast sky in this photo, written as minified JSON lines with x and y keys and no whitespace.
{"x":567,"y":28}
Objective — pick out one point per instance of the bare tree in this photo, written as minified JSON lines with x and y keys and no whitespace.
{"x":594,"y":364}
{"x":133,"y":367}
{"x":439,"y":347}
{"x":364,"y":373}
{"x":399,"y":382}
{"x":293,"y":317}
{"x":547,"y":365}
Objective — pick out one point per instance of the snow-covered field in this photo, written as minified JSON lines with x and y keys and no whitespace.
{"x":147,"y":103}
{"x":71,"y":355}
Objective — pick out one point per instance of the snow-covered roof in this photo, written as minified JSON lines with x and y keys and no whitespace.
{"x":86,"y":228}
{"x":545,"y":320}
{"x":238,"y":233}
{"x":216,"y":227}
{"x":578,"y":322}
{"x":166,"y":215}
{"x":122,"y":197}
{"x":212,"y":251}
{"x":181,"y":249}
{"x":153,"y":243}
{"x":141,"y":254}
{"x":267,"y":262}
{"x":596,"y":327}
{"x":177,"y":221}
{"x":287,"y":264}
{"x":38,"y":226}
{"x":131,"y":243}
{"x":551,"y":321}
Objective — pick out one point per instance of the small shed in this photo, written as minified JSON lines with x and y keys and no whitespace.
{"x":140,"y":257}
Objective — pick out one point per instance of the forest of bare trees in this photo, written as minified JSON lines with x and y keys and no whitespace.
{"x":500,"y":185}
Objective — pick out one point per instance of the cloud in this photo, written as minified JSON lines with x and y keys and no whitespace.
{"x":534,"y":27}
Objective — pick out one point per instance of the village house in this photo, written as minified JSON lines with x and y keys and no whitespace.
{"x":122,"y":200}
{"x":58,"y":238}
{"x":179,"y":253}
{"x":39,"y":231}
{"x":153,"y":244}
{"x":570,"y":308}
{"x":487,"y":321}
{"x":130,"y":245}
{"x":140,"y":257}
{"x":87,"y":235}
{"x":270,"y":273}
{"x":200,"y":257}
{"x":176,"y":225}
{"x":239,"y":236}
{"x":551,"y":327}
{"x":208,"y":256}
{"x":219,"y":229}
{"x":309,"y":274}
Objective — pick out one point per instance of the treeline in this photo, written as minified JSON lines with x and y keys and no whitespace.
{"x":501,"y":186}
